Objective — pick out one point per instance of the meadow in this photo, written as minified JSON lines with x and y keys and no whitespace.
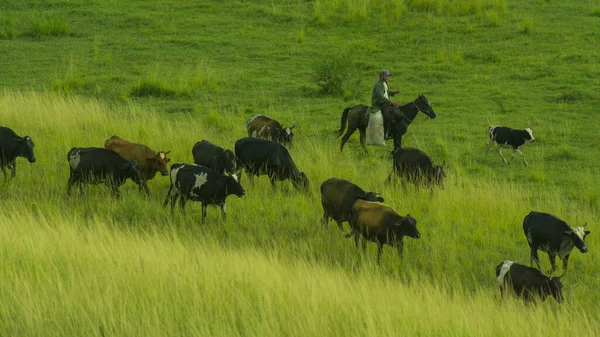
{"x":169,"y":74}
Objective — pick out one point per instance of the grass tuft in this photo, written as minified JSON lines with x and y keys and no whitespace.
{"x":48,"y":25}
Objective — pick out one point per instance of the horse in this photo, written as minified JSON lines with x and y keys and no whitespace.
{"x":400,"y":118}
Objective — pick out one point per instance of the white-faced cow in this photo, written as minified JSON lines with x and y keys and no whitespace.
{"x":414,"y":165}
{"x":259,"y":157}
{"x":379,"y":223}
{"x":96,"y":165}
{"x":11,"y":147}
{"x":260,"y":126}
{"x":214,"y":157}
{"x":151,"y":161}
{"x":507,"y":137}
{"x":199,"y":183}
{"x":527,"y":283}
{"x":550,"y":234}
{"x":338,"y":197}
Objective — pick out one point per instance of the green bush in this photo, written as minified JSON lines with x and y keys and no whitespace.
{"x":332,"y":74}
{"x":7,"y":29}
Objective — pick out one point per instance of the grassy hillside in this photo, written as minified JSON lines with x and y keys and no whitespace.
{"x":170,"y":73}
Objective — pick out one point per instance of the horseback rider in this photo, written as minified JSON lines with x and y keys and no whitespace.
{"x":380,"y":100}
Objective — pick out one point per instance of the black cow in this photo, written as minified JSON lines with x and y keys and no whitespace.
{"x":507,"y":137}
{"x":259,"y":156}
{"x":414,"y":165}
{"x":379,"y":223}
{"x":527,"y":283}
{"x":214,"y":157}
{"x":11,"y":147}
{"x":550,"y":234}
{"x":199,"y":183}
{"x":96,"y":165}
{"x":260,"y":126}
{"x":337,"y":198}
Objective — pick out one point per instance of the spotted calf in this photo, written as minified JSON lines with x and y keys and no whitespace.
{"x":507,"y":137}
{"x":199,"y":183}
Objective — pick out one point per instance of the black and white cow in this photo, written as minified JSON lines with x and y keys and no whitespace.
{"x":550,"y":234}
{"x":527,"y":283}
{"x":97,"y":165}
{"x":200,"y":183}
{"x":11,"y":147}
{"x":258,"y":157}
{"x":215,"y":157}
{"x":507,"y":137}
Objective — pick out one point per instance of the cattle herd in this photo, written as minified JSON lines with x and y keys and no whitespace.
{"x":217,"y":172}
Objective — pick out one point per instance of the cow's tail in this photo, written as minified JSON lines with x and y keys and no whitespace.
{"x":343,"y":121}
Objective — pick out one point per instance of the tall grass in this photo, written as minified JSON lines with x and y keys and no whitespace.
{"x":93,"y":265}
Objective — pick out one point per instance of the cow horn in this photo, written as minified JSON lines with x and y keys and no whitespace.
{"x":585,"y":224}
{"x":168,"y":152}
{"x":293,"y":126}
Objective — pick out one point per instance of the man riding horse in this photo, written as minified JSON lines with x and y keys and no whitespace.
{"x":380,"y":100}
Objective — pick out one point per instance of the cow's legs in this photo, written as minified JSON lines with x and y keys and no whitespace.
{"x":552,"y":257}
{"x":273,"y":181}
{"x":182,"y":203}
{"x":115,"y":190}
{"x":174,"y":197}
{"x":535,"y":257}
{"x":204,"y":206}
{"x":224,"y":211}
{"x":400,"y":246}
{"x":521,"y":153}
{"x":356,"y":238}
{"x":168,"y":196}
{"x":565,"y":263}
{"x":379,"y":250}
{"x":70,"y":183}
{"x":340,"y":225}
{"x":144,"y":186}
{"x":487,"y":148}
{"x":13,"y":168}
{"x":325,"y":219}
{"x":4,"y":171}
{"x":499,"y":150}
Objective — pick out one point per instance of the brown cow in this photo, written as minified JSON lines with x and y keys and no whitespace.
{"x":260,"y":126}
{"x":151,"y":161}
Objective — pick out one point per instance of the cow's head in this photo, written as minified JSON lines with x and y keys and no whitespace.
{"x":287,"y":135}
{"x":301,"y":182}
{"x":408,"y":226}
{"x":529,"y":135}
{"x":229,"y":161}
{"x":133,"y":171}
{"x":26,"y":148}
{"x":158,"y":163}
{"x":232,"y":186}
{"x":577,"y":236}
{"x":439,"y":175}
{"x":373,"y":196}
{"x":556,"y":289}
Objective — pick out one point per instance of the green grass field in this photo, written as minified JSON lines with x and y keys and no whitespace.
{"x":170,"y":73}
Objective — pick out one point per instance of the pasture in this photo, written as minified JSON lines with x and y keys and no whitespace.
{"x":168,"y":74}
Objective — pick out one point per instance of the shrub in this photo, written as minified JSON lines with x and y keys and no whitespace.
{"x":46,"y":25}
{"x":526,"y":26}
{"x":331,"y":75}
{"x":7,"y":29}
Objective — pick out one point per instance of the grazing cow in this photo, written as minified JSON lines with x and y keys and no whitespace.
{"x":96,"y":165}
{"x":379,"y":223}
{"x":199,"y":183}
{"x":214,"y":157}
{"x":528,"y":283}
{"x":151,"y":161}
{"x":507,"y":137}
{"x":260,"y":126}
{"x":11,"y":147}
{"x":415,"y":166}
{"x":337,"y":198}
{"x":550,"y":234}
{"x":259,"y":156}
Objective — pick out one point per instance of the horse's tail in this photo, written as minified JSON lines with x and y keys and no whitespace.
{"x":343,"y":121}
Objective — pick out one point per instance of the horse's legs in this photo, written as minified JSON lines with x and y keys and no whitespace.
{"x":349,"y":133}
{"x":397,"y":142}
{"x":363,"y":136}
